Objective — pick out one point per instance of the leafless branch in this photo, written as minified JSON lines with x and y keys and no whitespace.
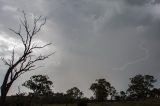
{"x":5,"y":62}
{"x":27,"y":61}
{"x":39,"y":47}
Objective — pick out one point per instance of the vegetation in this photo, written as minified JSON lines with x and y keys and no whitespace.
{"x":74,"y":93}
{"x":141,"y":92}
{"x":140,"y":87}
{"x":26,"y":61}
{"x":39,"y":84}
{"x":101,"y":89}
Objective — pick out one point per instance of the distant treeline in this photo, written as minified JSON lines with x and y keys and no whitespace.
{"x":141,"y":87}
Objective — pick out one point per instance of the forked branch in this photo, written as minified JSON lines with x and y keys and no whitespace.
{"x":27,"y":61}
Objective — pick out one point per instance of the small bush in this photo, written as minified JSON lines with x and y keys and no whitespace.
{"x":82,"y":103}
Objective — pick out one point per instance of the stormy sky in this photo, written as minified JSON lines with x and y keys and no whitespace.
{"x":112,"y":39}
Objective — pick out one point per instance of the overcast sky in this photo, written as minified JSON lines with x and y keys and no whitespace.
{"x":112,"y":39}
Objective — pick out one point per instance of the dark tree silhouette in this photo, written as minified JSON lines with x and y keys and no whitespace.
{"x":101,"y":89}
{"x":140,"y":86}
{"x":112,"y":92}
{"x":25,"y":62}
{"x":74,"y":93}
{"x":122,"y":95}
{"x":40,"y":85}
{"x":155,"y":93}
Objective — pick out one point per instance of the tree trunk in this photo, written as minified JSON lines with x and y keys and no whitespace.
{"x":3,"y":96}
{"x":111,"y":98}
{"x":4,"y":90}
{"x":2,"y":101}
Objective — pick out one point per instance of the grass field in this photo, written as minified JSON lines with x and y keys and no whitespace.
{"x":112,"y":104}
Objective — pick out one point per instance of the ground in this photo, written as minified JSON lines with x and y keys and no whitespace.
{"x":113,"y":104}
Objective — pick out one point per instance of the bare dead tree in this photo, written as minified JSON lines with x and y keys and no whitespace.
{"x":25,"y":62}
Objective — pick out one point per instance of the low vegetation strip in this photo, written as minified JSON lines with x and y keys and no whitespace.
{"x":146,"y":103}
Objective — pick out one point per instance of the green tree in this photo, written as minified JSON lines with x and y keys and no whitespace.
{"x":74,"y":93}
{"x":140,"y":86}
{"x":40,"y":85}
{"x":101,"y":89}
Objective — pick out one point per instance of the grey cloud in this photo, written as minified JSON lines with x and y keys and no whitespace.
{"x":137,"y":2}
{"x":95,"y":37}
{"x":142,"y":2}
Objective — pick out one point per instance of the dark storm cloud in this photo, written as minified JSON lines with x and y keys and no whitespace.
{"x":99,"y":32}
{"x":137,"y":2}
{"x":141,"y":2}
{"x":113,"y":39}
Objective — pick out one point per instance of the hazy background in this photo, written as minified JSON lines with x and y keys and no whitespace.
{"x":112,"y":39}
